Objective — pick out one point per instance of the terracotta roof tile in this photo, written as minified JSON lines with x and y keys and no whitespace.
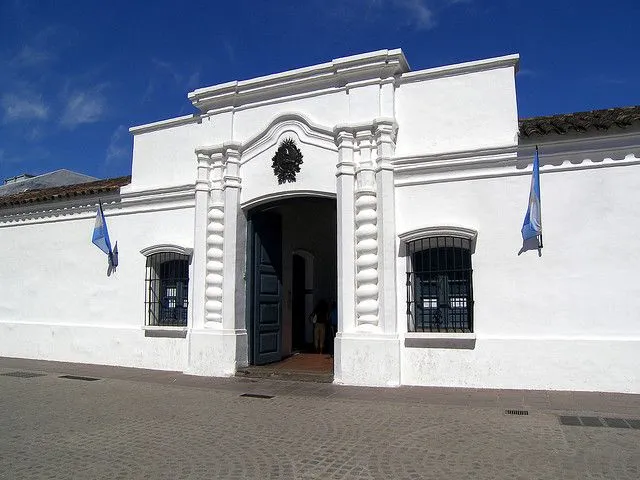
{"x":61,"y":193}
{"x":580,"y":122}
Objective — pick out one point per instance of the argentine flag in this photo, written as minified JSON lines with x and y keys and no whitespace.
{"x":101,"y":234}
{"x":532,"y":226}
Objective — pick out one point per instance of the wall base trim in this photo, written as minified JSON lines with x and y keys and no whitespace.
{"x":367,"y":360}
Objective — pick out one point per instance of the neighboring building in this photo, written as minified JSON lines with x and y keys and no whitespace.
{"x":29,"y":183}
{"x":407,"y":208}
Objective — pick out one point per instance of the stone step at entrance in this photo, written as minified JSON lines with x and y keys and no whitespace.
{"x":305,"y":367}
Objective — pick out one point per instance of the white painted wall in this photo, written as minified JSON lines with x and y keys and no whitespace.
{"x":60,"y":304}
{"x":457,"y":112}
{"x":163,"y":156}
{"x":327,"y":109}
{"x":565,"y":320}
{"x":317,"y":172}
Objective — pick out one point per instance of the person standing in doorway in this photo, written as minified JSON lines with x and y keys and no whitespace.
{"x":320,"y":317}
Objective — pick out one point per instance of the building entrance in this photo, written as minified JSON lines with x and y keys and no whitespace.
{"x":292,"y":252}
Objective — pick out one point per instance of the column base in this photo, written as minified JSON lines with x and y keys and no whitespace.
{"x":367,"y":359}
{"x":216,"y":353}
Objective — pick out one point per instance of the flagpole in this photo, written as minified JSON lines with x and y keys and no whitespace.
{"x":110,"y":254}
{"x":538,"y":157}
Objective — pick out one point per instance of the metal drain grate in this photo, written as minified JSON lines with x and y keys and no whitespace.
{"x":23,"y":374}
{"x":516,"y":412}
{"x":256,"y":395}
{"x":585,"y":421}
{"x":76,"y":377}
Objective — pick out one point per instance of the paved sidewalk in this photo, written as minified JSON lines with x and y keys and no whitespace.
{"x":134,"y":423}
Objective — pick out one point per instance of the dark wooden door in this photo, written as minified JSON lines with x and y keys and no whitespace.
{"x":267,"y":291}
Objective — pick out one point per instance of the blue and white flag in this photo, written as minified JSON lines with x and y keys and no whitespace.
{"x":532,"y":226}
{"x":101,"y":234}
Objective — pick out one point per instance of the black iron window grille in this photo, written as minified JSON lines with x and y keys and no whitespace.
{"x":167,"y":287}
{"x":439,"y":286}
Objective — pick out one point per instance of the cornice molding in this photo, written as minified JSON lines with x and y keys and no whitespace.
{"x":162,"y":124}
{"x":166,"y":248}
{"x":338,"y":73}
{"x":460,"y":69}
{"x":127,"y":203}
{"x":378,"y":124}
{"x":130,"y":196}
{"x":514,"y":160}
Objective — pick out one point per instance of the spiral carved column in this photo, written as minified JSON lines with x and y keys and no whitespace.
{"x":366,"y":221}
{"x":215,"y":242}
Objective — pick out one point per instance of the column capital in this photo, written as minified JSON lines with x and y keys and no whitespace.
{"x":364,"y":136}
{"x":202,"y":172}
{"x":231,"y":150}
{"x":202,"y":158}
{"x":385,"y":126}
{"x":217,"y":159}
{"x":385,"y":131}
{"x":343,"y":139}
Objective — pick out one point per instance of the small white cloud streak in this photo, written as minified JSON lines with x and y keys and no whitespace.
{"x":118,"y":145}
{"x":30,"y":56}
{"x":419,"y":12}
{"x":83,"y":107}
{"x":18,"y":108}
{"x":194,"y":80}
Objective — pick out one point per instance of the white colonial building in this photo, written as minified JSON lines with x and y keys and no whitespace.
{"x":406,"y":209}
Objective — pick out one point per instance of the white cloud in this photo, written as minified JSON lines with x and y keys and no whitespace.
{"x":194,"y":80}
{"x":118,"y":144}
{"x":20,"y":107}
{"x":82,"y":107}
{"x":30,"y":56}
{"x":164,"y":70}
{"x":420,"y":14}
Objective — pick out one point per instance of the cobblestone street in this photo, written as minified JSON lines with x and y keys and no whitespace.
{"x":142,"y":424}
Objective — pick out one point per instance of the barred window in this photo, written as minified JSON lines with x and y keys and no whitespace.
{"x":167,"y":287}
{"x":439,"y":287}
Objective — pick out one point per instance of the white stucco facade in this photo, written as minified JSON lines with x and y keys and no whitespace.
{"x":404,"y":155}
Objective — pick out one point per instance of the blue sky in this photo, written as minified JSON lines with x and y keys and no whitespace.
{"x":75,"y":75}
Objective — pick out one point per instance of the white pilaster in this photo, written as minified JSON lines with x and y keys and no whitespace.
{"x":199,"y":241}
{"x":368,"y":353}
{"x":345,"y":231}
{"x":366,"y":235}
{"x":385,"y":133}
{"x":216,"y":347}
{"x":231,"y":192}
{"x":215,"y":242}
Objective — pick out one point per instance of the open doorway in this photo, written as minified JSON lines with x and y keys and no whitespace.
{"x":292,"y":265}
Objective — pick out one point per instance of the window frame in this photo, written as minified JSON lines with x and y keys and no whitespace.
{"x":417,"y":336}
{"x":158,"y":256}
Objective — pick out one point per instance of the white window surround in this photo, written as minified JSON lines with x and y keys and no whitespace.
{"x":164,"y":331}
{"x":441,"y":231}
{"x":166,"y":248}
{"x":438,"y":339}
{"x":457,"y":341}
